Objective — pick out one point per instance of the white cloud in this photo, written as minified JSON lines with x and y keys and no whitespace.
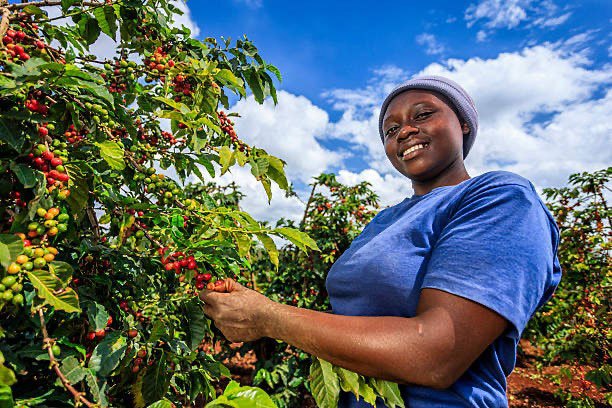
{"x":289,"y":131}
{"x":509,"y":14}
{"x":186,"y":18}
{"x":391,"y":189}
{"x":432,"y":45}
{"x":255,"y":201}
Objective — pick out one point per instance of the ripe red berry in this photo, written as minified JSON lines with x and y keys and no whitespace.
{"x":200,"y":285}
{"x":109,"y":321}
{"x":135,"y":369}
{"x":43,"y":131}
{"x":100,"y":333}
{"x":47,"y":155}
{"x":123,"y":304}
{"x":138,"y":361}
{"x":132,"y":333}
{"x":142,"y":353}
{"x":56,"y":161}
{"x":207,"y":276}
{"x":40,"y":45}
{"x":91,"y":335}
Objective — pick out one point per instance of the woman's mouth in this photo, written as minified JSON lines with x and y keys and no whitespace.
{"x":414,"y":151}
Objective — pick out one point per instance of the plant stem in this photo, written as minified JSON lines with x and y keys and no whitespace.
{"x":78,"y":396}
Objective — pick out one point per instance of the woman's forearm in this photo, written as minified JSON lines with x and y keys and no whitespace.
{"x":398,"y":349}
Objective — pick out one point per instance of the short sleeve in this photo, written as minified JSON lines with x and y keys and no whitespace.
{"x":498,"y":249}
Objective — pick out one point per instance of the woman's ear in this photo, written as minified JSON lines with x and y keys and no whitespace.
{"x":465,"y":128}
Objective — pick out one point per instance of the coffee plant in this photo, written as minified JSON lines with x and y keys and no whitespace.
{"x":103,"y":245}
{"x":574,"y":326}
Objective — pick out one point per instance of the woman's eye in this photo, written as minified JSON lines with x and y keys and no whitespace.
{"x":423,"y":115}
{"x":391,"y":130}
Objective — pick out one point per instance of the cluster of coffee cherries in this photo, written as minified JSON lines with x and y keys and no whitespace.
{"x":139,"y":360}
{"x":36,"y":102}
{"x":74,"y":136}
{"x":138,"y":316}
{"x":120,"y":74}
{"x":100,"y":333}
{"x":10,"y":291}
{"x":179,"y":263}
{"x":157,"y":64}
{"x":52,"y":166}
{"x":166,"y":190}
{"x":52,"y":223}
{"x":227,"y":126}
{"x":15,"y":41}
{"x":181,"y":87}
{"x":33,"y":257}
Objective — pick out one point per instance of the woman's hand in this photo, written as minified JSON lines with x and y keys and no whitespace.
{"x":239,"y":312}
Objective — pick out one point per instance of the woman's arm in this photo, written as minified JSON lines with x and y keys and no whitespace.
{"x":431,"y":349}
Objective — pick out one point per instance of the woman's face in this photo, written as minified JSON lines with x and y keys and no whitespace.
{"x":421,"y":117}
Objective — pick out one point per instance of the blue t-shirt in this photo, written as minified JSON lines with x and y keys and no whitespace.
{"x":489,"y":239}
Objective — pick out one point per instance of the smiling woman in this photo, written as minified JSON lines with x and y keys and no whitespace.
{"x":437,"y":290}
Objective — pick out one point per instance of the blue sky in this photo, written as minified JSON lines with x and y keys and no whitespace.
{"x":538,"y":70}
{"x":322,"y":45}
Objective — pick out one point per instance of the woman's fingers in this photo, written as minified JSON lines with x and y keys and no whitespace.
{"x":223,"y":286}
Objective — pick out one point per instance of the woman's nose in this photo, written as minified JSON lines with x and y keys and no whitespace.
{"x":407,"y":130}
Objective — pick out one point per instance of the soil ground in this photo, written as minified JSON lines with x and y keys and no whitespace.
{"x":527,"y":386}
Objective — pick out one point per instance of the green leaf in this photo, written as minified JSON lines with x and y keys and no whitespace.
{"x":276,"y":172}
{"x":49,"y":288}
{"x":79,"y":190}
{"x":259,"y":166}
{"x":72,"y":370}
{"x":155,"y":381}
{"x":97,"y":388}
{"x":367,"y":392}
{"x":107,"y":20}
{"x":158,"y":330}
{"x":227,"y":78}
{"x":324,"y":384}
{"x":89,"y":28}
{"x":238,"y":396}
{"x":389,"y":391}
{"x":225,"y":158}
{"x":267,"y":185}
{"x":112,"y":153}
{"x":161,"y":404}
{"x":300,"y":239}
{"x":10,"y":247}
{"x":34,"y":10}
{"x":29,"y":68}
{"x":181,"y":107}
{"x":349,"y":381}
{"x":240,"y":157}
{"x":275,"y":71}
{"x":67,"y":3}
{"x":243,"y":242}
{"x":10,"y":135}
{"x":252,"y":78}
{"x":7,"y":376}
{"x":108,"y":354}
{"x":199,"y":325}
{"x":6,"y":397}
{"x":126,"y":224}
{"x":26,"y":175}
{"x":62,"y":270}
{"x":97,"y":315}
{"x":270,"y":247}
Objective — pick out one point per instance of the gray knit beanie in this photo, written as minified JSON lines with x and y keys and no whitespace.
{"x":462,"y":102}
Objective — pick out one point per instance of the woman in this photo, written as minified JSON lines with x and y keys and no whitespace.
{"x":436,"y":291}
